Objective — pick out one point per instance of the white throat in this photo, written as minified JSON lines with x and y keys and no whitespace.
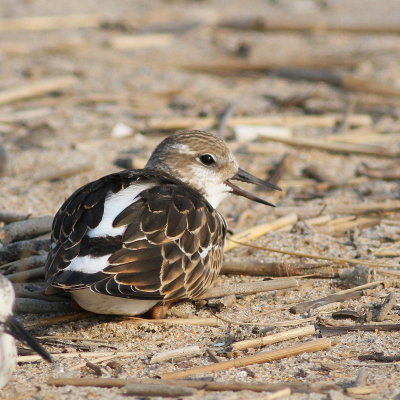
{"x":215,"y":193}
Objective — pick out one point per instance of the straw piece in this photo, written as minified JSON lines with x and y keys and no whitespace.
{"x":365,"y":208}
{"x":333,"y":298}
{"x":274,"y":338}
{"x":249,"y":288}
{"x":8,"y":217}
{"x":35,"y":89}
{"x":298,"y":387}
{"x":130,"y":42}
{"x":25,"y":229}
{"x":50,"y":22}
{"x":142,"y":389}
{"x":176,"y":354}
{"x":336,"y":147}
{"x":56,"y":356}
{"x":26,"y":276}
{"x":62,"y":172}
{"x":24,"y":264}
{"x":276,"y":120}
{"x":260,"y":230}
{"x":34,"y":306}
{"x":315,"y":345}
{"x":22,"y":249}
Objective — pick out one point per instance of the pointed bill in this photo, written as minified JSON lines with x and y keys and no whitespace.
{"x":244,"y":176}
{"x":15,"y":329}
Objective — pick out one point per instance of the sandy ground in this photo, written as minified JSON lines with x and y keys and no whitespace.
{"x":144,"y":86}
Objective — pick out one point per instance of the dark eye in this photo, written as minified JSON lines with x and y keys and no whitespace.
{"x":207,"y":159}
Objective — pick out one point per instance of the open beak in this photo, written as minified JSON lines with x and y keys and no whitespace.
{"x":14,"y":328}
{"x":244,"y":176}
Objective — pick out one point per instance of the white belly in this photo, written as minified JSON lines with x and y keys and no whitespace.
{"x":8,"y":354}
{"x":103,"y":304}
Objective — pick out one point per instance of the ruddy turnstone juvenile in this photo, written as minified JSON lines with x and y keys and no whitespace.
{"x":138,"y":238}
{"x":10,"y":328}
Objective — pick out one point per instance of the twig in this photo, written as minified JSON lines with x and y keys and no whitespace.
{"x":22,"y":249}
{"x":24,"y":264}
{"x":379,"y":357}
{"x":336,"y":147}
{"x":386,"y":307}
{"x":26,"y":276}
{"x":62,"y":319}
{"x":299,"y":387}
{"x":25,"y":229}
{"x":36,"y":89}
{"x":56,"y":356}
{"x":385,"y":173}
{"x":281,"y":120}
{"x":175,"y":354}
{"x":225,"y":116}
{"x":274,"y":338}
{"x":259,"y":230}
{"x":278,"y":269}
{"x":336,"y":260}
{"x":175,"y":321}
{"x":315,"y":345}
{"x":8,"y":217}
{"x":129,"y":42}
{"x":307,"y":25}
{"x":142,"y":389}
{"x":249,"y":288}
{"x":50,"y":22}
{"x":340,"y":330}
{"x":34,"y":306}
{"x":351,"y":209}
{"x":291,"y":322}
{"x":333,"y":298}
{"x":63,"y":172}
{"x":279,"y":394}
{"x":361,"y":287}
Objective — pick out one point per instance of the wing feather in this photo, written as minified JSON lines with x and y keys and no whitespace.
{"x":164,"y":252}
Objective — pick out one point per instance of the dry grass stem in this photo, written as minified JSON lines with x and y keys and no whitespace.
{"x":336,"y":260}
{"x":259,"y":230}
{"x":35,"y":89}
{"x":279,"y":394}
{"x":24,"y":263}
{"x":176,"y":354}
{"x":175,"y":321}
{"x":36,"y":306}
{"x":249,"y":288}
{"x":336,"y":147}
{"x":278,"y":269}
{"x":386,"y":307}
{"x":352,"y":209}
{"x":129,"y":42}
{"x":306,"y":306}
{"x":316,"y":345}
{"x":26,"y":276}
{"x":25,"y":229}
{"x":50,"y":22}
{"x":200,"y":385}
{"x":62,"y":319}
{"x":56,"y":356}
{"x":8,"y":217}
{"x":274,"y":338}
{"x":62,"y":172}
{"x":142,"y":389}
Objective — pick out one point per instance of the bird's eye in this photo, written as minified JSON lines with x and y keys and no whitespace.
{"x":207,"y":159}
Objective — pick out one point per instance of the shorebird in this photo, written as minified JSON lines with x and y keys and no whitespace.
{"x":139,"y":238}
{"x":11,"y":329}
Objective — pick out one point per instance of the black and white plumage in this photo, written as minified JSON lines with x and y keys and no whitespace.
{"x":11,"y":329}
{"x":136,"y":238}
